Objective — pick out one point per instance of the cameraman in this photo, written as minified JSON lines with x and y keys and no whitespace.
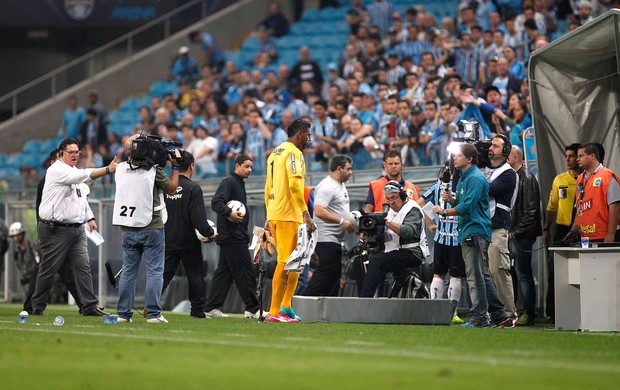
{"x":405,"y":245}
{"x":139,"y":209}
{"x":503,"y":181}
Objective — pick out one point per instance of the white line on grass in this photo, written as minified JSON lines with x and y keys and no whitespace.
{"x":298,"y":339}
{"x":460,"y":358}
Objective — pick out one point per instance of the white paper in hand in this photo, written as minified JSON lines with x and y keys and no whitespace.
{"x":94,"y":235}
{"x":428,"y":209}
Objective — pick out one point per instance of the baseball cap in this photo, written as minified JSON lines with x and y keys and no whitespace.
{"x":183,"y":50}
{"x":416,"y":110}
{"x":274,"y":120}
{"x":332,"y":66}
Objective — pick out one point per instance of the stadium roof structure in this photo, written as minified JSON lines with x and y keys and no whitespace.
{"x":574,"y":89}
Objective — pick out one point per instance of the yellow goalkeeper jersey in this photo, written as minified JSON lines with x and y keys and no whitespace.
{"x":284,"y":185}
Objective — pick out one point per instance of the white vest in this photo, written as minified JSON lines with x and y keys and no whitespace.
{"x":392,"y":241}
{"x":491,"y":175}
{"x":133,"y":203}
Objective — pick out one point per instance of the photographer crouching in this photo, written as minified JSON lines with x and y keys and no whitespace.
{"x":404,"y":240}
{"x":140,"y":211}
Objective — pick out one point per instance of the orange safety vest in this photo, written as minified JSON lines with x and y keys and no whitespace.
{"x":591,"y":200}
{"x":377,"y":191}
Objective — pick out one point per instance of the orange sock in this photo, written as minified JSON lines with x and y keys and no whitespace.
{"x":291,"y":286}
{"x":278,"y":286}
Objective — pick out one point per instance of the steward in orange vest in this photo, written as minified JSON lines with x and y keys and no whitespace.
{"x":592,"y":218}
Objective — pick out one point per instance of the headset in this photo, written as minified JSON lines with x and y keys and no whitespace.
{"x":402,"y":193}
{"x":507,"y":149}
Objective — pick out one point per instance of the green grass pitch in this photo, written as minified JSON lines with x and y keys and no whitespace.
{"x":238,"y":353}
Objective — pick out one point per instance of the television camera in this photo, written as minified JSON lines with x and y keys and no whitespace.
{"x":372,"y":225}
{"x":149,"y":150}
{"x":471,"y":131}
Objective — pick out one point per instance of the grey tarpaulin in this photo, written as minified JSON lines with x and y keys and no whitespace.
{"x":574,"y":88}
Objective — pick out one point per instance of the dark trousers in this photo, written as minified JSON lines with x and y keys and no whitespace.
{"x":326,"y":278}
{"x":61,"y":247}
{"x":235,"y":264}
{"x":382,"y":263}
{"x":194,"y":269}
{"x":67,"y":278}
{"x":522,"y":248}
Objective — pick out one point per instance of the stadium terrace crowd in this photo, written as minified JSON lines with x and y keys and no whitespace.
{"x":404,"y":81}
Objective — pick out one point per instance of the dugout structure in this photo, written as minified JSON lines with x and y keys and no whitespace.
{"x":574,"y":88}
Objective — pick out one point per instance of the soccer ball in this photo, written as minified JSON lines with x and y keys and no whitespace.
{"x":235,"y":205}
{"x":203,"y":238}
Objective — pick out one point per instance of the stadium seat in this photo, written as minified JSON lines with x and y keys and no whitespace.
{"x":330,"y":14}
{"x":301,"y":28}
{"x":250,"y":44}
{"x":32,"y":146}
{"x":311,"y":14}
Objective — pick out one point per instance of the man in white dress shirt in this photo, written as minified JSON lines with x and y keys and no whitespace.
{"x":63,"y":212}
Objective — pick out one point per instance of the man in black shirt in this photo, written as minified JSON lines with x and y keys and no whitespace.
{"x":235,"y":262}
{"x":186,"y":213}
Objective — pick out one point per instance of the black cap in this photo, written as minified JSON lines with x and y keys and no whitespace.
{"x":491,"y":88}
{"x":415,"y":110}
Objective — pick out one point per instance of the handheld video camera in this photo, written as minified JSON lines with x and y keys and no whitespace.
{"x":471,"y":131}
{"x":373,"y":227}
{"x":152,"y":150}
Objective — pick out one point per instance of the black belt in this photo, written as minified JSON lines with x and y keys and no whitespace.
{"x":62,"y":224}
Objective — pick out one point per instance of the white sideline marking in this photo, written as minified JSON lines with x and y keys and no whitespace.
{"x":364,"y":343}
{"x":461,"y":358}
{"x":240,"y":335}
{"x":298,"y":339}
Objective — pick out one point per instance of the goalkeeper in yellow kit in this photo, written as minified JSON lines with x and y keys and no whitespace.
{"x":286,"y":210}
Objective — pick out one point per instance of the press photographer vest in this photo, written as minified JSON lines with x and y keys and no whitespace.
{"x":495,"y":173}
{"x":392,"y":241}
{"x":133,"y":203}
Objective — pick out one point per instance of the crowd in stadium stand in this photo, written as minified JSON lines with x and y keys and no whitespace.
{"x":404,"y":81}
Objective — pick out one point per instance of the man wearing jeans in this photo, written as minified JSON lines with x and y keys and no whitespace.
{"x":472,"y":207}
{"x":140,"y":210}
{"x":526,"y":226}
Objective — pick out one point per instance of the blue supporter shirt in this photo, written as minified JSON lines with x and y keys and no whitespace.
{"x":72,"y":120}
{"x":472,"y":205}
{"x":255,"y":144}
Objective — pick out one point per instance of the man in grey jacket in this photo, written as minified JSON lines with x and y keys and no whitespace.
{"x":405,"y":244}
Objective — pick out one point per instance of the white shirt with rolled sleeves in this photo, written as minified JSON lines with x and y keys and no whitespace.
{"x":63,"y":200}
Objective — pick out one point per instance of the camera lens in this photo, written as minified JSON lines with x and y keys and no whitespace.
{"x":367,"y":223}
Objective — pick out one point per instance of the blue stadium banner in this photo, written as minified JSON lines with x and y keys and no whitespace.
{"x":89,"y":13}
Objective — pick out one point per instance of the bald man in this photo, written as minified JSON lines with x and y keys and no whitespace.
{"x":526,"y":227}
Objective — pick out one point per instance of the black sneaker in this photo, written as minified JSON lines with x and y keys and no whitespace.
{"x":96,"y":312}
{"x":200,"y":316}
